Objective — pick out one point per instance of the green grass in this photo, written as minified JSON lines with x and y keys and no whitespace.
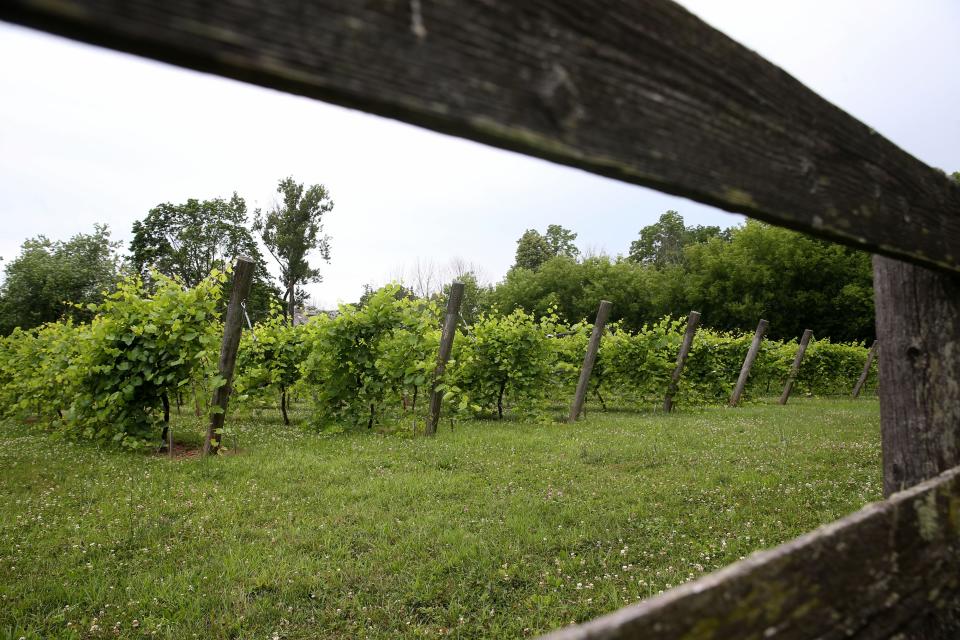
{"x":492,"y":530}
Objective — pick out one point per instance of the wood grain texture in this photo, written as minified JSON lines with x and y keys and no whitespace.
{"x":589,"y":359}
{"x":640,"y":91}
{"x":891,"y":568}
{"x":795,"y":367}
{"x":752,"y":352}
{"x":232,"y":328}
{"x":447,"y":335}
{"x":693,"y":321}
{"x":918,"y":326}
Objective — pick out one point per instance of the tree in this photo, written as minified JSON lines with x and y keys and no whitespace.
{"x":476,"y":294}
{"x":425,"y":278}
{"x":734,"y":277}
{"x":560,"y":241}
{"x":291,"y":230}
{"x":794,"y":281}
{"x":400,"y":292}
{"x":48,"y":278}
{"x":475,"y":299}
{"x":661,"y":244}
{"x":187,"y":241}
{"x":534,"y":248}
{"x":573,"y":289}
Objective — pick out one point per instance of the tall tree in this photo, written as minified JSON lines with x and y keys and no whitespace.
{"x":560,"y":240}
{"x":534,"y":248}
{"x":187,"y":241}
{"x":661,"y":244}
{"x":291,"y":230}
{"x":48,"y":278}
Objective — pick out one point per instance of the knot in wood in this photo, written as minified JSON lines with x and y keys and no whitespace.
{"x":914,"y":352}
{"x":560,"y":98}
{"x":416,"y":20}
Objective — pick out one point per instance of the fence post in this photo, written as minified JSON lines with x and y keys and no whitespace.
{"x":692,"y":321}
{"x":446,"y":345}
{"x":748,"y":363}
{"x":232,"y":326}
{"x":862,"y":380}
{"x":918,"y":324}
{"x":589,"y":359}
{"x":795,"y":368}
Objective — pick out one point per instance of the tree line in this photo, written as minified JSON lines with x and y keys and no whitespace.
{"x":733,"y":276}
{"x":50,"y":280}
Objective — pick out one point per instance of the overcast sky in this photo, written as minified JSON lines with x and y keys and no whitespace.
{"x":89,"y":135}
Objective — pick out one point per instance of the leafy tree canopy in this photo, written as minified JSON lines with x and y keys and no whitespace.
{"x":661,"y":244}
{"x":187,"y":241}
{"x":476,"y":297}
{"x":734,"y":277}
{"x":791,"y":279}
{"x":560,"y":241}
{"x":574,"y":289}
{"x":398,"y":291}
{"x":292,"y":229}
{"x":41,"y":283}
{"x":534,"y":248}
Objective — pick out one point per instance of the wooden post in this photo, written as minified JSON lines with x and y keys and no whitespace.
{"x":748,"y":363}
{"x":918,"y":324}
{"x":692,"y":321}
{"x":862,"y":380}
{"x":446,"y":345}
{"x":232,"y":326}
{"x":589,"y":359}
{"x":795,"y":368}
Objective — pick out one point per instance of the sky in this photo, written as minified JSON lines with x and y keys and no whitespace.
{"x":91,"y":136}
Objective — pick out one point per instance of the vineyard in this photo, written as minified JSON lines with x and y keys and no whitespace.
{"x":148,"y":347}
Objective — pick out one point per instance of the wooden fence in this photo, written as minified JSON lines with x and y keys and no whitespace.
{"x":647,"y":93}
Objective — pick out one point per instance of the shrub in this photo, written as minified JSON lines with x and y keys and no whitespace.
{"x":138,"y":349}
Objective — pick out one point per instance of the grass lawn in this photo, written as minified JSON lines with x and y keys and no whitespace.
{"x":492,"y":530}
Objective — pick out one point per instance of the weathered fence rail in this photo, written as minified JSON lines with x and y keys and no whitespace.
{"x":647,"y":93}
